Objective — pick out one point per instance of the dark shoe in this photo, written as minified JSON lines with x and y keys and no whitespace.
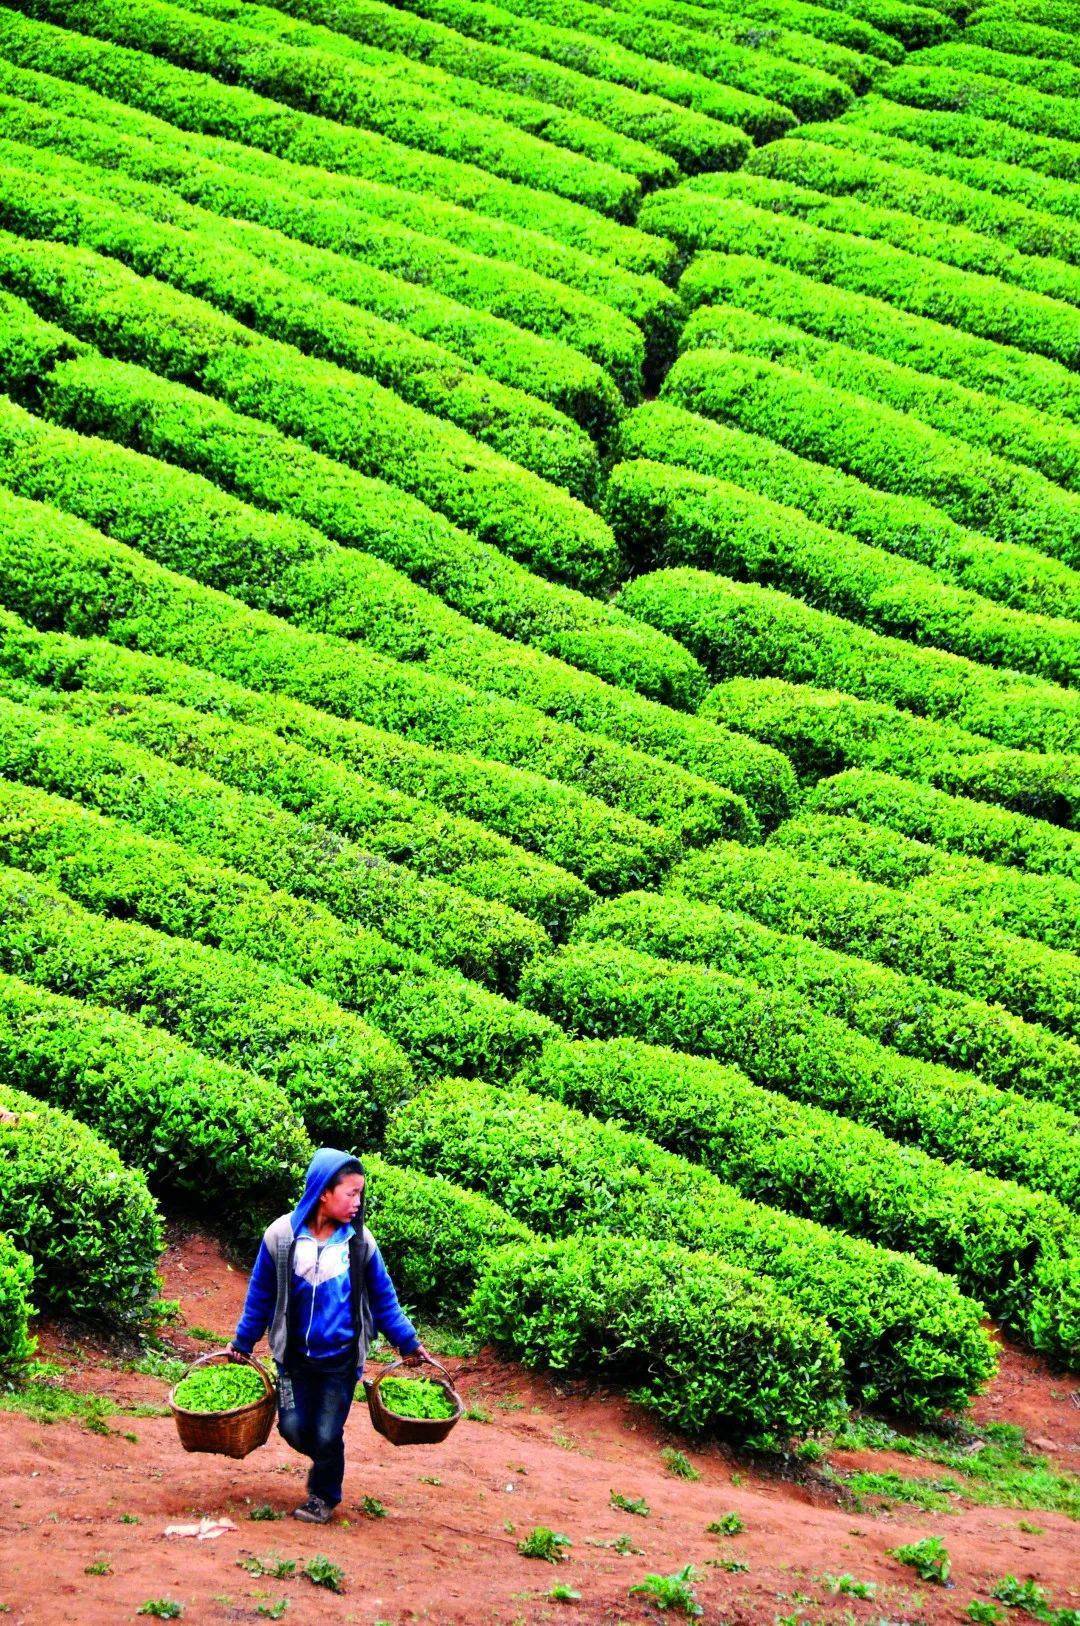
{"x":314,"y":1511}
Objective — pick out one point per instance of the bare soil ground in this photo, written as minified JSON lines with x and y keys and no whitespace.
{"x":446,"y":1551}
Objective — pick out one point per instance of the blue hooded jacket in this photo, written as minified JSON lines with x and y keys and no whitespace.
{"x":321,"y":1310}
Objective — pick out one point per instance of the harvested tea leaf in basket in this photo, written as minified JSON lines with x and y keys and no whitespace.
{"x":219,"y":1388}
{"x":415,"y":1397}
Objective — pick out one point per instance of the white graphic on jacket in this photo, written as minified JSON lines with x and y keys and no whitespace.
{"x":323,"y":1294}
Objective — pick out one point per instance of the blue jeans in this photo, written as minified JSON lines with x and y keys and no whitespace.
{"x":313,"y":1404}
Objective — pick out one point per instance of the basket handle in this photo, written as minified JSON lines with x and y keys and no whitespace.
{"x":429,"y":1360}
{"x":236,"y":1357}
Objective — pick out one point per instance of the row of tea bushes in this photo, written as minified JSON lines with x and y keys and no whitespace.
{"x":451,"y":277}
{"x":52,"y":199}
{"x":804,"y":1160}
{"x":198,"y":101}
{"x":907,"y":527}
{"x":844,"y":172}
{"x":197,"y":1128}
{"x":56,"y":570}
{"x":440,"y":1020}
{"x":896,"y":1008}
{"x":400,"y":829}
{"x":958,"y":133}
{"x":952,"y":823}
{"x":981,"y":306}
{"x":342,"y":414}
{"x":575,"y":834}
{"x":740,"y":629}
{"x":939,"y":244}
{"x":246,"y":830}
{"x":88,"y":1222}
{"x":608,"y":991}
{"x":664,"y":515}
{"x":868,"y":128}
{"x":335,"y":1069}
{"x":1043,"y":907}
{"x":1048,"y":445}
{"x":707,"y":1346}
{"x":690,"y":139}
{"x":907,"y":1336}
{"x":918,"y":934}
{"x":823,"y":732}
{"x":882,"y":445}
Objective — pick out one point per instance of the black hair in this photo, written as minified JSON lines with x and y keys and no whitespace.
{"x":353,"y":1166}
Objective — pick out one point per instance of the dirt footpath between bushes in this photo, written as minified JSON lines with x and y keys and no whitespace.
{"x":446,"y":1549}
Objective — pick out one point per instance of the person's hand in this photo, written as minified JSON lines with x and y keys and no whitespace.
{"x":415,"y":1356}
{"x":233,"y":1353}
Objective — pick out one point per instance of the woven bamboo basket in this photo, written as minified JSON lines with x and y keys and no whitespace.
{"x":227,"y":1433}
{"x":411,"y":1430}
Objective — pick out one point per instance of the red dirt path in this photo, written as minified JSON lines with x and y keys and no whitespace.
{"x":443,"y":1554}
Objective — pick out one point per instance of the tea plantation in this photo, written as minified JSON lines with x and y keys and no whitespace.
{"x":540,"y":640}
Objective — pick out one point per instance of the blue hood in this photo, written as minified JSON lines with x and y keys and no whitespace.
{"x":321,"y":1170}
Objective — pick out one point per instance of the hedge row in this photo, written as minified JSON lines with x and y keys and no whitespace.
{"x":948,"y":245}
{"x":1031,"y":70}
{"x":663,"y":515}
{"x":89,"y":1224}
{"x":868,"y":324}
{"x":904,"y":1012}
{"x":883,"y":446}
{"x":279,"y":563}
{"x":1042,"y":193}
{"x":608,"y":991}
{"x":788,"y":38}
{"x":907,"y":1337}
{"x":452,"y":278}
{"x":921,"y":936}
{"x":372,"y":97}
{"x":980,"y":305}
{"x":16,"y":1280}
{"x":346,"y":416}
{"x":905,"y":526}
{"x":206,"y":105}
{"x":484,"y":940}
{"x":131,"y":406}
{"x":800,"y":73}
{"x":823,"y":732}
{"x":706,"y":1347}
{"x":566,"y":131}
{"x":562,"y":40}
{"x":1043,"y":907}
{"x":1048,"y":445}
{"x":844,"y":173}
{"x":691,"y":140}
{"x":913,"y":24}
{"x":401,"y":829}
{"x":334,"y":1069}
{"x":982,"y":96}
{"x":804,"y":1160}
{"x":442,"y":1021}
{"x":741,"y":628}
{"x":840,"y":27}
{"x":42,"y":196}
{"x":1005,"y":31}
{"x":573,"y":833}
{"x":56,"y":571}
{"x":961,"y":132}
{"x":544,"y":368}
{"x":200,"y":1128}
{"x":953,"y":823}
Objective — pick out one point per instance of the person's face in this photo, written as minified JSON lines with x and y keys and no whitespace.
{"x":343,"y":1203}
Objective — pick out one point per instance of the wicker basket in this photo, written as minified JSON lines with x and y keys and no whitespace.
{"x":410,"y":1430}
{"x":227,"y":1433}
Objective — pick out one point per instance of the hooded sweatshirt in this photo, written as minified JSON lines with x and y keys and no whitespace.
{"x":304,"y":1292}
